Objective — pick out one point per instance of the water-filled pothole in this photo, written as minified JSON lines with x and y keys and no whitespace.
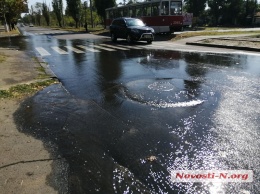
{"x":163,"y":93}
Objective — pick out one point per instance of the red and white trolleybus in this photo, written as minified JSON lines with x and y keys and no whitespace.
{"x":164,"y":16}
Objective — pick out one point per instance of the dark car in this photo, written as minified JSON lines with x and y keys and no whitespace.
{"x":131,"y":29}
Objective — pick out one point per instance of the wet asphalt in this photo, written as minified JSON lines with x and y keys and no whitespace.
{"x":115,"y":110}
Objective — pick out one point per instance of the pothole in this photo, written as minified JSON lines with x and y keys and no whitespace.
{"x":164,"y":93}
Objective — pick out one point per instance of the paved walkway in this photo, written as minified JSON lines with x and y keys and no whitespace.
{"x":238,"y":42}
{"x":25,"y":164}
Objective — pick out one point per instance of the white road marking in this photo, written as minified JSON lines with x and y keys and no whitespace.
{"x":131,"y":47}
{"x":74,"y":49}
{"x":42,"y":51}
{"x":60,"y":51}
{"x":88,"y":49}
{"x":115,"y":47}
{"x":104,"y":48}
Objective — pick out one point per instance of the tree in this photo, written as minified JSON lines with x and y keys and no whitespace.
{"x":233,"y":12}
{"x":251,"y":9}
{"x":38,"y":12}
{"x":196,"y":7}
{"x":46,"y":13}
{"x":216,"y":9}
{"x":12,"y":9}
{"x":32,"y":14}
{"x":26,"y":19}
{"x":102,"y":5}
{"x":73,"y":9}
{"x":58,"y":10}
{"x":130,"y":2}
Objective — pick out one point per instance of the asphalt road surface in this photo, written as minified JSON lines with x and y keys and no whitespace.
{"x":125,"y":116}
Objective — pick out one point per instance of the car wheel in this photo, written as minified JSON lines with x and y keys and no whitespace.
{"x":113,"y":37}
{"x":149,"y":41}
{"x":129,"y":39}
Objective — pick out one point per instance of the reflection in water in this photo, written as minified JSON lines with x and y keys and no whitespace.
{"x":132,"y":117}
{"x":16,"y":42}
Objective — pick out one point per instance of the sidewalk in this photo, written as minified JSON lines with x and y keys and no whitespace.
{"x":243,"y":42}
{"x":25,"y":164}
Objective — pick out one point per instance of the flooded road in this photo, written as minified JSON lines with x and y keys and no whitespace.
{"x":124,"y":119}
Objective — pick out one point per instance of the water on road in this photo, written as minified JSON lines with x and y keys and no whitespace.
{"x":124,"y":119}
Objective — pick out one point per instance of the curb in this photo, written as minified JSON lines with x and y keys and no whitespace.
{"x":223,"y":46}
{"x":47,"y":70}
{"x":20,"y":32}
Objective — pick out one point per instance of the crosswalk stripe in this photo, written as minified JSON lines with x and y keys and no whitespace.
{"x":100,"y":47}
{"x":152,"y":46}
{"x":74,"y":49}
{"x":42,"y":51}
{"x":115,"y":47}
{"x":88,"y":49}
{"x":131,"y":47}
{"x":162,"y":44}
{"x":104,"y":48}
{"x":60,"y":51}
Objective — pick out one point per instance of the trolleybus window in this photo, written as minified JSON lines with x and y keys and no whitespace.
{"x":120,"y":13}
{"x":176,"y":8}
{"x":125,"y":12}
{"x":147,"y":10}
{"x":111,"y":14}
{"x":132,"y":12}
{"x":155,"y":9}
{"x":138,"y":11}
{"x":144,"y":10}
{"x":115,"y":13}
{"x":165,"y":8}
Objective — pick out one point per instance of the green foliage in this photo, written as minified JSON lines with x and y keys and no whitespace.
{"x":73,"y":9}
{"x":58,"y":10}
{"x":36,"y":13}
{"x":232,"y":12}
{"x":25,"y":89}
{"x":196,"y":7}
{"x":102,"y":5}
{"x":12,"y":9}
{"x":216,"y":9}
{"x":2,"y":57}
{"x":45,"y":13}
